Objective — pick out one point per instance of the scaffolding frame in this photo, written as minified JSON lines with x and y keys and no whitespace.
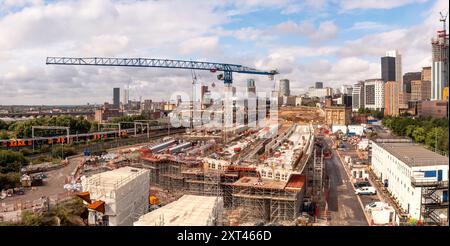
{"x":272,"y":205}
{"x":317,"y":177}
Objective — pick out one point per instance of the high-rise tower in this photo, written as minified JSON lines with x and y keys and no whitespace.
{"x":439,"y":65}
{"x":116,"y":97}
{"x":284,"y":88}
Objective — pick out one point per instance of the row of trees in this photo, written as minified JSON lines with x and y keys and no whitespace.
{"x":371,"y":112}
{"x":21,"y":129}
{"x":128,"y":119}
{"x":429,"y":131}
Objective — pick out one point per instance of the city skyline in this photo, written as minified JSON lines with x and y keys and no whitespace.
{"x":340,"y":45}
{"x":186,"y":113}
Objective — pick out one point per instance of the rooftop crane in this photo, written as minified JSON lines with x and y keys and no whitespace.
{"x":227,"y":69}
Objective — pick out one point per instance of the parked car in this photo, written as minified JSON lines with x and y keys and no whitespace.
{"x":375,"y":205}
{"x":361,"y":184}
{"x":366,"y":191}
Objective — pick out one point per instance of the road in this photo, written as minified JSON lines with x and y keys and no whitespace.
{"x":343,"y":204}
{"x":53,"y":186}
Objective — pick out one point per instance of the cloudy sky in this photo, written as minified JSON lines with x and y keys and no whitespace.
{"x":337,"y":42}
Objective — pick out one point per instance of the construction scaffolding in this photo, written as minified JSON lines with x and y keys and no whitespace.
{"x":269,"y":202}
{"x":247,"y":196}
{"x":189,"y":177}
{"x":317,"y":177}
{"x":199,"y":182}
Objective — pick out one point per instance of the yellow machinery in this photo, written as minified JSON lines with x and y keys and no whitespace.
{"x":153,"y":200}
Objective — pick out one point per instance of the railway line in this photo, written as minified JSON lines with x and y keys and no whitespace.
{"x":37,"y":142}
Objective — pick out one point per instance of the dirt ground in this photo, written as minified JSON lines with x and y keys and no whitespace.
{"x":54,"y":185}
{"x":302,"y":115}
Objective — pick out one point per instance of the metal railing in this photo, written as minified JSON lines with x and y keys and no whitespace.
{"x":421,"y":182}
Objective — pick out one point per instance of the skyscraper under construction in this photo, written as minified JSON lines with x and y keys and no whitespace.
{"x":439,"y":67}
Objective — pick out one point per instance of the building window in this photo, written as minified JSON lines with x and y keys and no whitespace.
{"x":277,"y":176}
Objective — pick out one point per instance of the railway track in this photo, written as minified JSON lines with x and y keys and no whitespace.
{"x":101,"y":146}
{"x":36,"y":143}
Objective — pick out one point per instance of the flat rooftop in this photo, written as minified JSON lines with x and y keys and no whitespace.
{"x":189,"y":210}
{"x":414,"y":155}
{"x":298,"y":139}
{"x":265,"y":184}
{"x":115,"y":178}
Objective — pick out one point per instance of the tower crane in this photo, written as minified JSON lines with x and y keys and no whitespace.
{"x":226,"y":76}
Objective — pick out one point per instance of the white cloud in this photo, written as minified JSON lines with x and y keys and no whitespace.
{"x":106,"y":45}
{"x":368,"y":25}
{"x":325,"y":31}
{"x":292,"y":9}
{"x":374,"y":4}
{"x":100,"y":28}
{"x":188,"y":29}
{"x":200,"y":45}
{"x":413,"y":42}
{"x":249,"y":33}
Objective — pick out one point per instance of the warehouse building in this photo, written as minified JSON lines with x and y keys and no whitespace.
{"x":416,"y":177}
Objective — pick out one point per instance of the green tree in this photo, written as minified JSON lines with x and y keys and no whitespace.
{"x":131,"y":118}
{"x":9,"y":180}
{"x":31,"y":219}
{"x":436,"y":136}
{"x":3,"y":125}
{"x":423,"y":130}
{"x":11,"y":161}
{"x":4,"y":134}
{"x":22,"y":129}
{"x":418,"y":135}
{"x":94,"y":127}
{"x":409,"y":130}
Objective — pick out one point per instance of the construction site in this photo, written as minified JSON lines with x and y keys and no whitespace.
{"x":270,"y":173}
{"x":260,"y":176}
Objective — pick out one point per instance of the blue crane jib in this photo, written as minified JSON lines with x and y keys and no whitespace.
{"x":227,"y":69}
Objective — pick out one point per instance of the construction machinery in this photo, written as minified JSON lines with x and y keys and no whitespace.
{"x":213,"y":67}
{"x":153,"y":200}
